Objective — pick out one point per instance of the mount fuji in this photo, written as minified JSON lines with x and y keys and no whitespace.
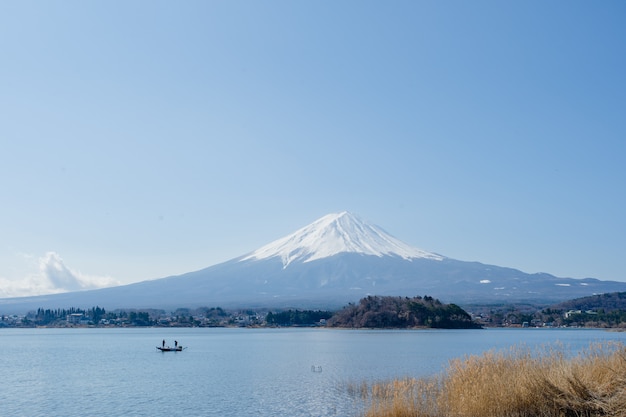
{"x":335,"y":260}
{"x":335,"y":234}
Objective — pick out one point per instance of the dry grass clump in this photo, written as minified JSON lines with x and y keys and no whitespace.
{"x":405,"y":398}
{"x":515,"y":383}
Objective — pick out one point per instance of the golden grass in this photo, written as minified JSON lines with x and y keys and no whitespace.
{"x":515,"y":383}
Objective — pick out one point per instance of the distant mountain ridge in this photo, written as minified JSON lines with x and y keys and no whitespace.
{"x":335,"y":260}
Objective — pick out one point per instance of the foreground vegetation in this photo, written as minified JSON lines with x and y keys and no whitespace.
{"x":517,"y":383}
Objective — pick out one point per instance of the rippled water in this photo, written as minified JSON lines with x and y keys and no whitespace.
{"x":230,"y":372}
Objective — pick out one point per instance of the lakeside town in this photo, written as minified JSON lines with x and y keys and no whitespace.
{"x":370,"y":312}
{"x":99,"y":317}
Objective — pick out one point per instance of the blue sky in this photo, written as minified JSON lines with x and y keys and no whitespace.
{"x":144,"y":139}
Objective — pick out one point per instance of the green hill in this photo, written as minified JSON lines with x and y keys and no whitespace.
{"x":402,"y":313}
{"x":608,"y":302}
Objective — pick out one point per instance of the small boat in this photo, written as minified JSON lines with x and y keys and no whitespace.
{"x":171,"y":349}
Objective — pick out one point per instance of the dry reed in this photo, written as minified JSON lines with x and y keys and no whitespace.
{"x":515,"y":383}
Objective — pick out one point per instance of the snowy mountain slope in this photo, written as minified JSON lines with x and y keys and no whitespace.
{"x":334,"y":234}
{"x":335,"y":260}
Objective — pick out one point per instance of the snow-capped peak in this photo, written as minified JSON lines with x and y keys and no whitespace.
{"x":337,"y":233}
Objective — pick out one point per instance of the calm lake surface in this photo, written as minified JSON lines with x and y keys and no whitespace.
{"x":232,"y":372}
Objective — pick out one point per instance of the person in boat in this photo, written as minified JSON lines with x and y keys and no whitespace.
{"x":175,"y":343}
{"x":163,"y":344}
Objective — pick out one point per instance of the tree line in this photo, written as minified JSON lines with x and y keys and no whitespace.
{"x":297,"y":317}
{"x":93,"y":315}
{"x":49,"y":316}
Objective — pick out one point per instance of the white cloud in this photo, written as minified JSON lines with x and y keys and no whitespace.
{"x":57,"y":274}
{"x":53,"y":277}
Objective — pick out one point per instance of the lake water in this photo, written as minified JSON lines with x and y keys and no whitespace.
{"x":232,"y":372}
